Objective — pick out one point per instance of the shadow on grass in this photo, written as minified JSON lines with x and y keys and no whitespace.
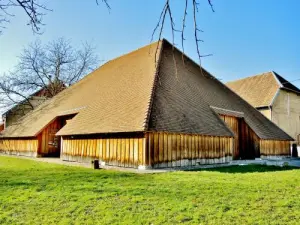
{"x":247,"y":169}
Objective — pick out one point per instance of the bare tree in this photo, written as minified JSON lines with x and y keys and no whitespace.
{"x":49,"y":67}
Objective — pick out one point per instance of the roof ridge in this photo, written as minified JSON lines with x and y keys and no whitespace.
{"x":256,"y":75}
{"x":150,"y":105}
{"x":276,"y":78}
{"x":284,"y":83}
{"x":131,"y":52}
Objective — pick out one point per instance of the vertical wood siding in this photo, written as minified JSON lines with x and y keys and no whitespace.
{"x":123,"y":152}
{"x":246,"y":143}
{"x":152,"y":150}
{"x":249,"y":142}
{"x":2,"y":127}
{"x":269,"y":148}
{"x":233,"y":124}
{"x":19,"y":146}
{"x":49,"y":144}
{"x":175,"y":150}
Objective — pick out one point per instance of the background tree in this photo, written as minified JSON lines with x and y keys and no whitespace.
{"x":56,"y":63}
{"x":46,"y":67}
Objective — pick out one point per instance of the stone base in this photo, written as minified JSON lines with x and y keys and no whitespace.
{"x":184,"y":163}
{"x":274,"y":157}
{"x":80,"y":159}
{"x":17,"y":153}
{"x":142,"y":167}
{"x":192,"y":162}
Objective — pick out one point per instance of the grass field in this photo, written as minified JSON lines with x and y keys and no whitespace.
{"x":40,"y":193}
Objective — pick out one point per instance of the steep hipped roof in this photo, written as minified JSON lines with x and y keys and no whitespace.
{"x":187,"y":100}
{"x":260,"y":90}
{"x":141,"y":92}
{"x":113,"y":98}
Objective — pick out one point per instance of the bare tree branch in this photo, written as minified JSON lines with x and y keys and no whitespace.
{"x":211,"y":5}
{"x":183,"y":27}
{"x":161,"y":25}
{"x":32,"y":8}
{"x":106,"y":3}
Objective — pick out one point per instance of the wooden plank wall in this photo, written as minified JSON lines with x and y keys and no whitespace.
{"x":123,"y":152}
{"x":249,"y":142}
{"x":19,"y":146}
{"x":246,"y":143}
{"x":233,"y":124}
{"x":275,"y":148}
{"x":49,"y":144}
{"x":175,"y":150}
{"x":2,"y":127}
{"x":153,"y":150}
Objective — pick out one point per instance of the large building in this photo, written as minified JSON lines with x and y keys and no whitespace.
{"x":273,"y":96}
{"x":151,"y":108}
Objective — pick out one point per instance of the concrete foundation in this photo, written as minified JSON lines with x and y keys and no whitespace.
{"x":17,"y":153}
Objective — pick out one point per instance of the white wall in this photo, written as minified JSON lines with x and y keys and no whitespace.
{"x":286,"y":112}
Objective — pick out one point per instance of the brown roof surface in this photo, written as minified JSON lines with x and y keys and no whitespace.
{"x":178,"y":104}
{"x":187,"y":100}
{"x":258,"y":90}
{"x":130,"y":94}
{"x":227,"y":112}
{"x":113,"y":98}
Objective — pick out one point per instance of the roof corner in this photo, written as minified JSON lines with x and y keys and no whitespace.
{"x":275,"y":77}
{"x":157,"y":65}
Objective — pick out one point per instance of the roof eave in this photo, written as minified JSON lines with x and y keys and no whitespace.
{"x":288,"y":89}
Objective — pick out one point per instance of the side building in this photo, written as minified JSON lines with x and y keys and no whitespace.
{"x":274,"y":97}
{"x":15,"y":113}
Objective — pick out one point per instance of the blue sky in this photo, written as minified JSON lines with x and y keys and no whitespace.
{"x":245,"y":37}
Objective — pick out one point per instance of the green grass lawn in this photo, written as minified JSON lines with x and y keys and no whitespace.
{"x":40,"y":193}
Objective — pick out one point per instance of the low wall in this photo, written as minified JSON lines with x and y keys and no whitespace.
{"x":184,"y":150}
{"x":24,"y":147}
{"x":149,"y":150}
{"x":274,"y":148}
{"x":113,"y":151}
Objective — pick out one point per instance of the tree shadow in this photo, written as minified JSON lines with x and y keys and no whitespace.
{"x":247,"y":169}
